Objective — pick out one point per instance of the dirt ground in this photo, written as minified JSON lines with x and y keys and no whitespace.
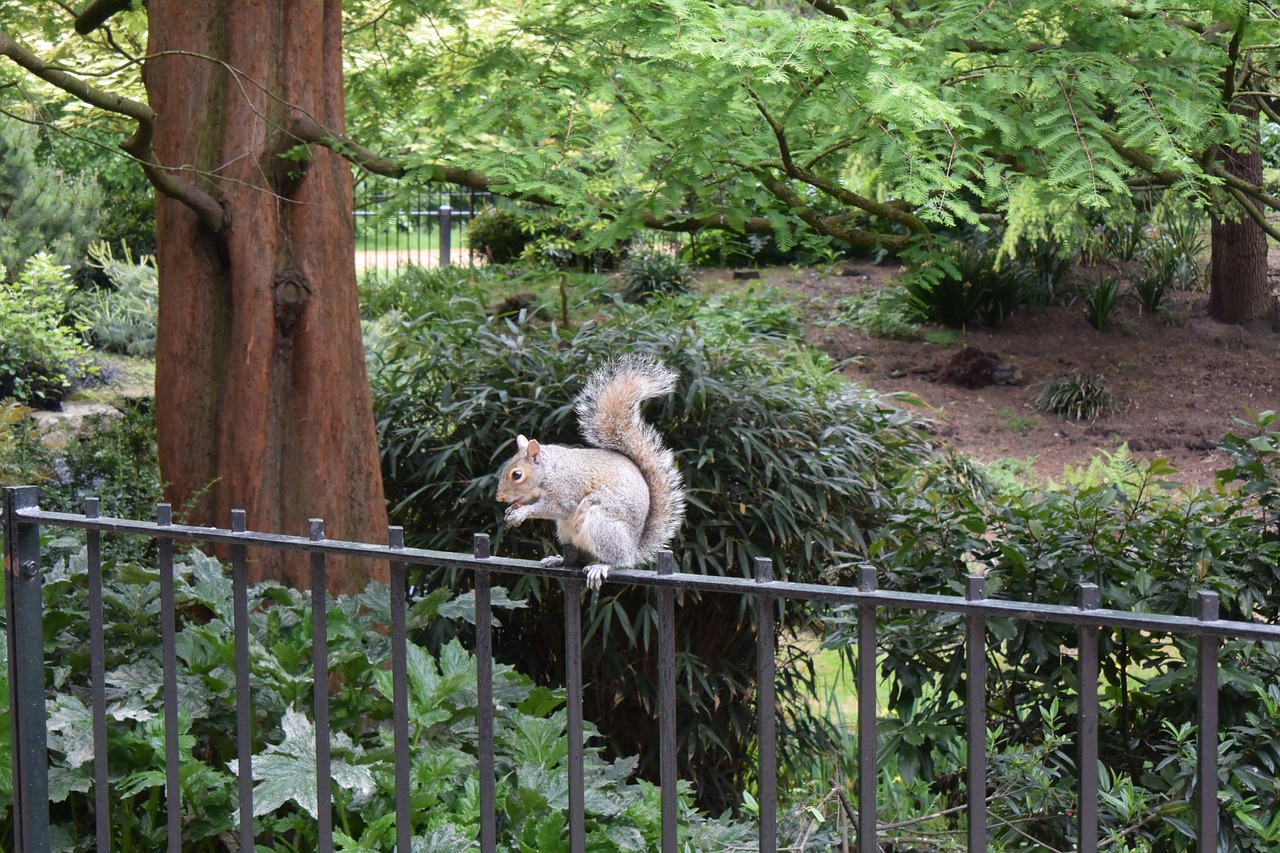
{"x":1178,"y":385}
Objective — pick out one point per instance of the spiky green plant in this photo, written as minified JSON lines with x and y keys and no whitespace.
{"x":1078,"y":396}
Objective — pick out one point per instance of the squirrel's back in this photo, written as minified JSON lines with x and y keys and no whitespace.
{"x":609,"y":417}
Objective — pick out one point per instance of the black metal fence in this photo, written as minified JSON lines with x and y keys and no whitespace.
{"x":424,"y":226}
{"x":23,"y":520}
{"x":427,"y":226}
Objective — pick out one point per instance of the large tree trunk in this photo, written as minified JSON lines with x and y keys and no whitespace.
{"x":262,"y":399}
{"x":1238,"y":287}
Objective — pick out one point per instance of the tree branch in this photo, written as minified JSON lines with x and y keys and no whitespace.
{"x":1254,"y":214}
{"x":779,"y":133}
{"x":97,"y":13}
{"x":1139,"y":159}
{"x":304,"y":128}
{"x":833,"y":226}
{"x":1240,"y":185}
{"x":827,"y":7}
{"x":205,"y":206}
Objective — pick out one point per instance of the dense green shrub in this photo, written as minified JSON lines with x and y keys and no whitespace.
{"x":1149,"y":547}
{"x":413,"y":291}
{"x":888,"y":312}
{"x":652,"y":271}
{"x":112,"y":458}
{"x":39,"y":356}
{"x":780,"y":458}
{"x":122,"y":317}
{"x":963,"y":279}
{"x":1046,"y":262}
{"x":565,"y":241}
{"x":42,"y":210}
{"x":498,"y":235}
{"x":530,"y":733}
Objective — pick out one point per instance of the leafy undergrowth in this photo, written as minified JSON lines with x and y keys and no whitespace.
{"x":530,"y":727}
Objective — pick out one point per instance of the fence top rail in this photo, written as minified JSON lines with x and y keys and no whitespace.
{"x":832,"y":594}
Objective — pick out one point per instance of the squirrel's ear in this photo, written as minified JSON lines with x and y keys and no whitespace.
{"x":535,"y":451}
{"x":521,"y":443}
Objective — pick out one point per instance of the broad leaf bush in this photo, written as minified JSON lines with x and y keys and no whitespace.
{"x":1149,"y":546}
{"x":781,"y":459}
{"x":530,"y":733}
{"x":39,"y":356}
{"x":498,"y":235}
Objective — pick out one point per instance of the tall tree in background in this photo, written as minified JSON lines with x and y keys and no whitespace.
{"x":262,"y":399}
{"x":1238,"y":288}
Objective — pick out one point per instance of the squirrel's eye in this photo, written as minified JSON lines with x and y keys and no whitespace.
{"x":517,"y":475}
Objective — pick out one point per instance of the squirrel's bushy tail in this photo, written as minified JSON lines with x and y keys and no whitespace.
{"x":609,"y":417}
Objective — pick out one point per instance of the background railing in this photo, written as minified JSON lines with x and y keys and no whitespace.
{"x":425,"y":226}
{"x":24,"y":604}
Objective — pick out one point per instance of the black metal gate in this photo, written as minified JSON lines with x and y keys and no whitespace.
{"x":23,"y":520}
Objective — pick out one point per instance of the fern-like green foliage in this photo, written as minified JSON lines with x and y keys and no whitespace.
{"x":806,"y":120}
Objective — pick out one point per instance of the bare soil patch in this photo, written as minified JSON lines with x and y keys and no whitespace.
{"x":1177,"y":384}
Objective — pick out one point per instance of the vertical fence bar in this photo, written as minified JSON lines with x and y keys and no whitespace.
{"x":244,"y":706}
{"x":976,"y":699}
{"x":766,"y":687}
{"x":484,"y":697}
{"x":419,"y":246}
{"x":1207,"y":736}
{"x":868,"y":742}
{"x":169,"y":663}
{"x":98,"y":684}
{"x":24,"y":606}
{"x":400,"y":692}
{"x":446,"y":234}
{"x":667,"y":705}
{"x":573,"y":684}
{"x":320,"y":689}
{"x":1087,"y":644}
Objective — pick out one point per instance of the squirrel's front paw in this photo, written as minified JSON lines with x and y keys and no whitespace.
{"x":552,"y":561}
{"x":596,"y":575}
{"x":516,"y":514}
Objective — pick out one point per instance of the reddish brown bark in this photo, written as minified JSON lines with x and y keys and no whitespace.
{"x":262,"y":398}
{"x":1238,"y":286}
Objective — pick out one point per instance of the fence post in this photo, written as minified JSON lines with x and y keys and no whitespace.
{"x":868,"y":741}
{"x":1207,"y":733}
{"x":24,"y":612}
{"x":480,"y":549}
{"x":667,"y":705}
{"x":766,"y":687}
{"x":446,"y":234}
{"x":975,"y":590}
{"x":1087,"y":645}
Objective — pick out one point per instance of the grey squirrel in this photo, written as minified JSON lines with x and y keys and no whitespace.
{"x":621,"y":499}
